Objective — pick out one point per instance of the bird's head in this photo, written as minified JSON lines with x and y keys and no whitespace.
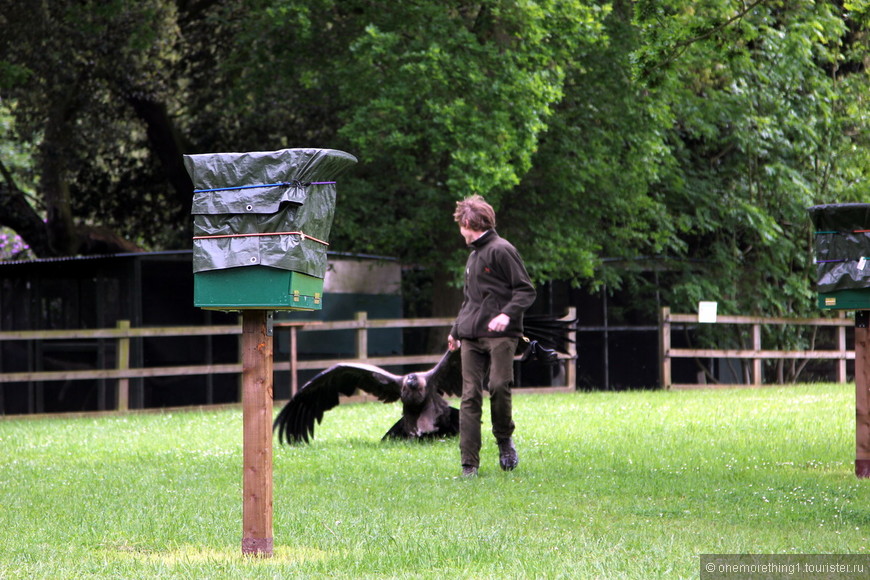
{"x":413,"y":389}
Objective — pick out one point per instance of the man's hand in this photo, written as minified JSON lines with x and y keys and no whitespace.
{"x":499,"y":323}
{"x":452,"y":343}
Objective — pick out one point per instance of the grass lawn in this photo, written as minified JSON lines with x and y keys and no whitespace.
{"x":610,"y":485}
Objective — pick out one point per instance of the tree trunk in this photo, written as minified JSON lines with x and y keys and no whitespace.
{"x":167,"y":144}
{"x":60,"y":227}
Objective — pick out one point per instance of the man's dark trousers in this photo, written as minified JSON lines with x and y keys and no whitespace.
{"x":480,"y":355}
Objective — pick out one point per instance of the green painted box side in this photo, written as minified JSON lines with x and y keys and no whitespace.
{"x":845,"y":300}
{"x":256,"y":288}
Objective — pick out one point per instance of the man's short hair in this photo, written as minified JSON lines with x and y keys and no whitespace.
{"x":475,"y":214}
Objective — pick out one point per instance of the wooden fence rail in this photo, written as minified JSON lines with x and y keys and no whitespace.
{"x":123,"y":333}
{"x":756,"y":354}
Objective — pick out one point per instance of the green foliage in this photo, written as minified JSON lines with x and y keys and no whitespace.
{"x":589,"y":190}
{"x":448,"y":101}
{"x":16,"y":158}
{"x":83,"y":62}
{"x":614,"y":139}
{"x":757,"y":110}
{"x":469,"y":88}
{"x":16,"y":155}
{"x":628,"y":485}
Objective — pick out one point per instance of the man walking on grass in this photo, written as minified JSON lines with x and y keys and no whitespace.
{"x":489,"y":325}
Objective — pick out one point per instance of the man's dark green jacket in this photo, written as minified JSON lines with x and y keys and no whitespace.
{"x":496,"y":282}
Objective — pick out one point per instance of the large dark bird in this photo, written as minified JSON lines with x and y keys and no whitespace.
{"x":425,"y":413}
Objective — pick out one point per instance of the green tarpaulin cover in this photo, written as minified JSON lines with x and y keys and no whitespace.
{"x":264,"y":208}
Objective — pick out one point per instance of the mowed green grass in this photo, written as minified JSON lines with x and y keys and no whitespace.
{"x":610,"y":485}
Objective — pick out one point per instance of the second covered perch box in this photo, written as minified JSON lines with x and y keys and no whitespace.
{"x":261,"y":224}
{"x":842,"y":252}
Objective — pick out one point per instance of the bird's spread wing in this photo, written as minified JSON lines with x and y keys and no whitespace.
{"x":446,"y":377}
{"x":549,"y":332}
{"x":296,"y":420}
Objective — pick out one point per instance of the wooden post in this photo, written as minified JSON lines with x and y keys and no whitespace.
{"x":841,"y":347}
{"x":123,"y":365}
{"x":571,"y":372}
{"x":362,"y":336}
{"x":294,"y":351}
{"x":257,"y":367}
{"x":665,"y":347}
{"x":756,"y":362}
{"x":862,"y":399}
{"x":294,"y":362}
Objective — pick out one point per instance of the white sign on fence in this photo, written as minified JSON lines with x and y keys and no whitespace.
{"x":707,"y":311}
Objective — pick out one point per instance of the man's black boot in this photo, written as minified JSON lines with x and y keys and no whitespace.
{"x":507,"y":454}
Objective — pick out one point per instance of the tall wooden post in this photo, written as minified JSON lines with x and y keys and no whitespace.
{"x":862,"y":395}
{"x":665,"y":347}
{"x":123,"y":365}
{"x":294,"y":362}
{"x":257,"y":366}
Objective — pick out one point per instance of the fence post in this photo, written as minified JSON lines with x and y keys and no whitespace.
{"x":665,"y":347}
{"x":841,"y":346}
{"x":123,"y":365}
{"x":571,"y":371}
{"x":294,"y":362}
{"x":756,"y":362}
{"x":362,"y":336}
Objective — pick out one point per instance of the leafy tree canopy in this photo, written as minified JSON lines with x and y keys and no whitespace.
{"x":614,"y":138}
